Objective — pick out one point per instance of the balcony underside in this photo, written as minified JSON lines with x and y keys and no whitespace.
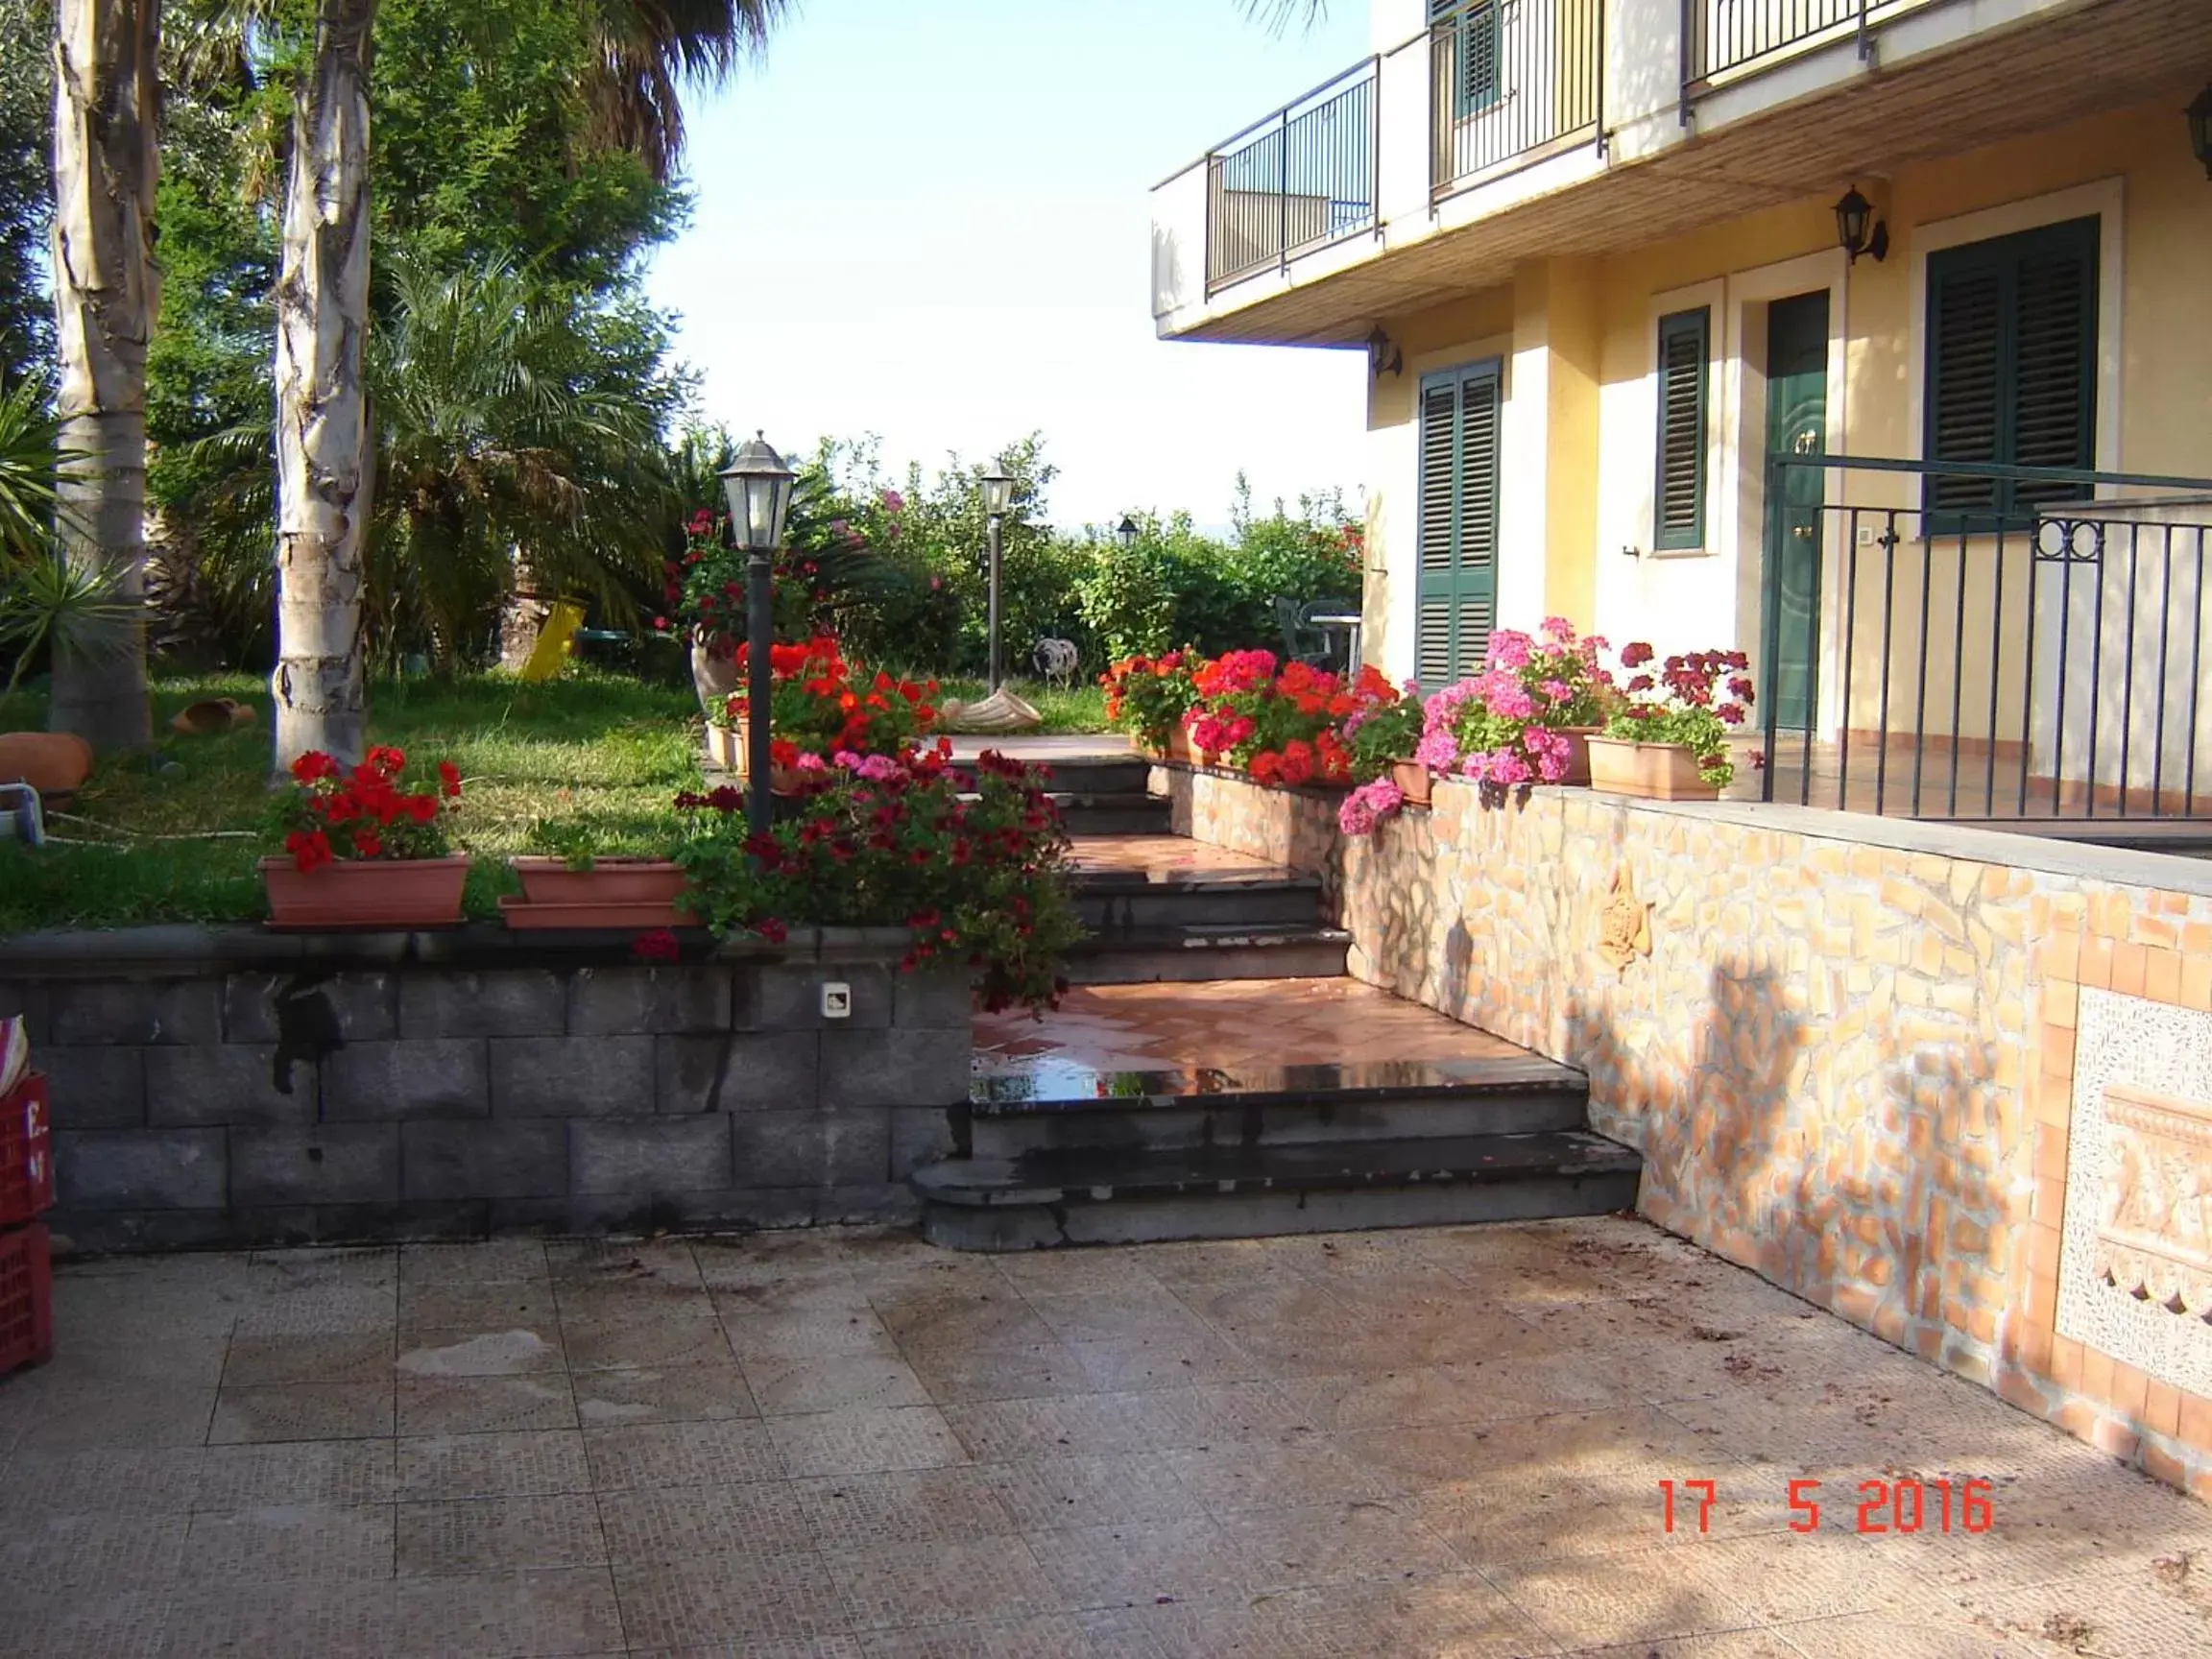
{"x":2040,"y":74}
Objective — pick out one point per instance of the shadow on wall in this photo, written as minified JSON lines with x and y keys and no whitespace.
{"x":1167,"y":271}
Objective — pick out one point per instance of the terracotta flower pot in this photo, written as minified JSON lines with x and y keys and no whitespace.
{"x":1413,"y":782}
{"x":727,"y":748}
{"x":387,"y":893}
{"x":1577,"y":754}
{"x":625,"y":893}
{"x":1649,"y":771}
{"x":55,"y":764}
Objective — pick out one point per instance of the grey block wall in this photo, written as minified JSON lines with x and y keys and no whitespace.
{"x":203,"y":1101}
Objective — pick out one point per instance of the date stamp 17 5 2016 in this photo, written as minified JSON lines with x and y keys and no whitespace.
{"x":1905,"y":1504}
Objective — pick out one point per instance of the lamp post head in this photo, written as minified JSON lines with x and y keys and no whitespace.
{"x":997,"y":490}
{"x":759,"y":486}
{"x":1126,"y":532}
{"x":1858,"y":230}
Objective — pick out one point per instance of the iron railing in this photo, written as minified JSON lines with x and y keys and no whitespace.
{"x":1511,"y":82}
{"x":1719,"y":36}
{"x":1296,"y":180}
{"x":1927,"y":656}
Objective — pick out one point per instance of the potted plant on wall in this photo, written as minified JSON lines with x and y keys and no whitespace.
{"x":575,"y":884}
{"x":1381,"y":732}
{"x":821,"y":704}
{"x":1671,"y":741}
{"x":1147,"y":697}
{"x":1280,"y":728}
{"x":366,"y":846}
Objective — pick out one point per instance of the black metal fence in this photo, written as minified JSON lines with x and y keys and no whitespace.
{"x":1987,"y":642}
{"x":1719,"y":36}
{"x":1296,"y":181}
{"x":1511,"y":81}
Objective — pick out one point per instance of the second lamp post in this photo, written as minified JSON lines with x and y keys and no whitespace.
{"x":997,"y":498}
{"x":760,"y":488}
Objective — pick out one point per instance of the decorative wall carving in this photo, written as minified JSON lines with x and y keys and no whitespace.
{"x":1624,"y":923}
{"x":2154,"y":1221}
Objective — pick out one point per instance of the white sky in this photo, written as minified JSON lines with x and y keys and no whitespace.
{"x":944,"y":210}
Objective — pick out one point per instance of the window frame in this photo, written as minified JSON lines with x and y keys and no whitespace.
{"x":1463,"y":18}
{"x":1696,"y":321}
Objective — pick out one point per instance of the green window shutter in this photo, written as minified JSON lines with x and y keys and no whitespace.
{"x":1455,"y":590}
{"x":1685,"y":356}
{"x":2011,"y":374}
{"x":1473,"y":33}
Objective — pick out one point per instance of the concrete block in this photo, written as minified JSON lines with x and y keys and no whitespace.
{"x":615,"y":1001}
{"x":739,"y":1210}
{"x":738,"y":1072}
{"x":95,"y":1087}
{"x":935,"y":998}
{"x":787,"y":995}
{"x":495,"y":1160}
{"x":228,"y":1083}
{"x":140,"y":1169}
{"x":896,"y":1068}
{"x":571,"y":1076}
{"x":362,"y":1007}
{"x":892,"y":1202}
{"x":812,"y":1149}
{"x":429,"y":1079}
{"x":919,"y":1135}
{"x":627,"y":1155}
{"x":397,"y":1223}
{"x":104,"y":1011}
{"x":19,"y":999}
{"x":127,"y":1232}
{"x":321,"y":1164}
{"x":508,"y":1003}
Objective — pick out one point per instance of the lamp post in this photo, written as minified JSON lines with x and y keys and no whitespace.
{"x":998,"y":496}
{"x":1126,"y":532}
{"x":760,"y":488}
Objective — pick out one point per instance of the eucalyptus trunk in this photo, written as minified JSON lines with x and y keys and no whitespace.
{"x":324,"y":457}
{"x":107,"y":98}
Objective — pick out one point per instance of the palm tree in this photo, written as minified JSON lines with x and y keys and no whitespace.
{"x":323,"y":440}
{"x":106,"y":292}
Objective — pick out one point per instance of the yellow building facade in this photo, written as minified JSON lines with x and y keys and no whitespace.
{"x":1587,"y":356}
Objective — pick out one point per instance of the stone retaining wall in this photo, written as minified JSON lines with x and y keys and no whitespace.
{"x":1868,"y":1058}
{"x":235,"y":1088}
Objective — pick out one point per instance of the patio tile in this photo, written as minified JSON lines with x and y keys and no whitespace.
{"x":995,"y":1431}
{"x":861,"y":1439}
{"x":750,"y":1602}
{"x":90,"y":1553}
{"x":954,"y":1376}
{"x":1046,"y":1492}
{"x":825,"y":1383}
{"x":514,"y":1465}
{"x":315,"y":1472}
{"x":1170,"y":1361}
{"x":486,"y":1262}
{"x":507,"y":1616}
{"x":645,"y":1342}
{"x":938,"y":1583}
{"x":100,"y":1480}
{"x":633,"y":1299}
{"x":484,"y":1405}
{"x":663,"y":1394}
{"x":1272,"y":1474}
{"x":652,"y":1455}
{"x":467,"y":1352}
{"x":621,"y":1261}
{"x":327,"y":1619}
{"x":320,"y":1309}
{"x":901,"y":1506}
{"x":348,"y":1357}
{"x":322,"y":1543}
{"x":959,"y":1319}
{"x":142,"y":1415}
{"x":677,"y":1523}
{"x":1638,"y":1597}
{"x":810,"y":1334}
{"x":1051,"y":1636}
{"x":476,"y":1304}
{"x":739,"y":1293}
{"x":1139,"y":1562}
{"x":499,"y":1535}
{"x":67,"y":1624}
{"x":302,"y":1412}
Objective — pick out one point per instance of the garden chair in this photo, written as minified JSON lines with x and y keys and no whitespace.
{"x":1335,"y":624}
{"x":1301,"y":643}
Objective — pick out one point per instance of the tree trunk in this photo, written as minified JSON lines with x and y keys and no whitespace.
{"x":107,"y":95}
{"x":323,"y":460}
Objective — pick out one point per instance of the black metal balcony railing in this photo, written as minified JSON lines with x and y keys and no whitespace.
{"x":1297,"y":180}
{"x":2044,"y":664}
{"x":1719,"y":36}
{"x":1512,"y":81}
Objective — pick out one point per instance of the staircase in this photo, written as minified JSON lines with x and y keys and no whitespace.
{"x":1319,"y":1106}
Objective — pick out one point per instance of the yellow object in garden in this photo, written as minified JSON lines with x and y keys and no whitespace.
{"x":553,"y":640}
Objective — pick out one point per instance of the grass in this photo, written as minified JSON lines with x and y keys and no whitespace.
{"x":176,"y":837}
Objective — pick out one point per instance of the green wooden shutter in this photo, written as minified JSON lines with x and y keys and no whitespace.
{"x":1474,"y":51}
{"x":2011,"y":376}
{"x":1685,"y":347}
{"x":1455,"y":594}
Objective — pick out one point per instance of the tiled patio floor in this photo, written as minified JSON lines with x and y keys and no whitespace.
{"x":1226,"y":1025}
{"x":1430,"y":1443}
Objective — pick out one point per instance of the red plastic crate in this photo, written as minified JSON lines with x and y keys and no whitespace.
{"x":26,"y":1298}
{"x":26,"y":1152}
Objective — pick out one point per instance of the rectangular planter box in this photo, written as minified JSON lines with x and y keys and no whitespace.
{"x":613,"y":893}
{"x":1648,"y":771}
{"x":391,"y":894}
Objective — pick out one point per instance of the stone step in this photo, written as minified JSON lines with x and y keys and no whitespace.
{"x":1043,"y":1109}
{"x":1114,"y":901}
{"x":1139,"y":956}
{"x":1089,"y":775}
{"x":1114,"y":812}
{"x":1089,"y":1196}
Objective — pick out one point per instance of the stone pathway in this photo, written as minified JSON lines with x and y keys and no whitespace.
{"x":1421,"y":1443}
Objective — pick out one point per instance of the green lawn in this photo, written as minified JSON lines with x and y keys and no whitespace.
{"x":175,"y":837}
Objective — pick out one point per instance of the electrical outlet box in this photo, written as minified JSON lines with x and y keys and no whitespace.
{"x":836,"y":1000}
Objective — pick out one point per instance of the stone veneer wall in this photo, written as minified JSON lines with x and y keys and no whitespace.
{"x":1858,"y":1058}
{"x":236,"y":1088}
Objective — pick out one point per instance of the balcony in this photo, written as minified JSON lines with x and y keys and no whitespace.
{"x":1503,"y":131}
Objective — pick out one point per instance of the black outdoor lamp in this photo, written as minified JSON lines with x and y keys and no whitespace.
{"x":760,"y":488}
{"x":2200,"y":113}
{"x":997,"y":498}
{"x":1126,"y":532}
{"x":1857,"y":229}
